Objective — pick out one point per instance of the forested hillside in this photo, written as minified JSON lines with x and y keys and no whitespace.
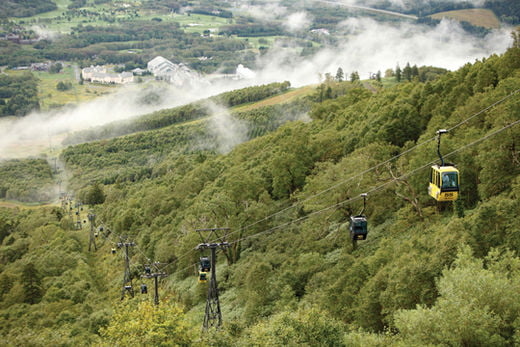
{"x":428,"y":273}
{"x":507,"y":10}
{"x":18,"y":95}
{"x":25,"y":8}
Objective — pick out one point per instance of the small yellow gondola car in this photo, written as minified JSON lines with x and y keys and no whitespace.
{"x":203,"y":277}
{"x":444,"y":183}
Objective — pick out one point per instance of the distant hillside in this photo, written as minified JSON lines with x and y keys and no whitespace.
{"x":25,"y":8}
{"x":478,"y":17}
{"x":507,"y":10}
{"x":428,"y":274}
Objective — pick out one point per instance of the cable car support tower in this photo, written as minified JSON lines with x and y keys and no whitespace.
{"x":213,"y":315}
{"x":78,"y":215}
{"x":127,"y":279}
{"x":155,"y":276}
{"x":92,"y":218}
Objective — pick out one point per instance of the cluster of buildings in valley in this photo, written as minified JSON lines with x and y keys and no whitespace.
{"x":100,"y":74}
{"x":17,"y":38}
{"x":161,"y":68}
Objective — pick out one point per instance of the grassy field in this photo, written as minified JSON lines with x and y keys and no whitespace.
{"x":59,"y":21}
{"x":22,"y":205}
{"x":199,"y":23}
{"x":479,"y":17}
{"x":50,"y":97}
{"x":278,"y":99}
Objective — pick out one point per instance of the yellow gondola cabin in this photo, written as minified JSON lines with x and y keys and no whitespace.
{"x":203,"y":277}
{"x":444,"y":183}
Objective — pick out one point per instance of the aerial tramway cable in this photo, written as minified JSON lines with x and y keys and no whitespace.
{"x":377,"y":188}
{"x":371,"y":191}
{"x":378,"y":165}
{"x":361,"y":174}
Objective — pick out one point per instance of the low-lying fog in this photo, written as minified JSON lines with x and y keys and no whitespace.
{"x":370,"y":47}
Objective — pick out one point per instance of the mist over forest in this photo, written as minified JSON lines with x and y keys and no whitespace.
{"x":367,"y":46}
{"x":201,"y":173}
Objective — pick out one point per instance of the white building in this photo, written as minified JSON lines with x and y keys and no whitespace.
{"x":99,"y":74}
{"x":177,"y":74}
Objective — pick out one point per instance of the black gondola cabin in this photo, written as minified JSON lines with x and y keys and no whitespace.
{"x":358,"y":227}
{"x":205,"y":264}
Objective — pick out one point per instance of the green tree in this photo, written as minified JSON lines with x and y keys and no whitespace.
{"x":477,"y":305}
{"x":516,"y":38}
{"x":398,"y":73}
{"x":95,"y":195}
{"x":6,"y":283}
{"x":340,"y":75}
{"x":415,"y":71}
{"x":32,"y":284}
{"x":305,"y":327}
{"x":63,"y":86}
{"x":407,"y":72}
{"x":56,"y":68}
{"x":144,"y":324}
{"x":354,"y":76}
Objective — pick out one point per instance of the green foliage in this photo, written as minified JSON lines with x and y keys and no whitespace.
{"x":291,"y":275}
{"x":143,"y":323}
{"x":31,"y":282}
{"x":476,"y":306}
{"x":92,"y":195}
{"x":304,"y":327}
{"x":49,"y":285}
{"x":21,"y":93}
{"x":27,"y":180}
{"x":63,"y":86}
{"x":252,"y":30}
{"x":250,"y":94}
{"x":507,"y":10}
{"x":56,"y":68}
{"x":26,"y":8}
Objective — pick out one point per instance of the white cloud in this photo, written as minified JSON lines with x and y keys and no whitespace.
{"x":244,"y":72}
{"x":228,"y":130}
{"x":266,"y":11}
{"x":369,"y":46}
{"x":44,"y":33}
{"x":297,"y":21}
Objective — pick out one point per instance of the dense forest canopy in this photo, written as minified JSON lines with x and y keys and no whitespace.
{"x":507,"y":10}
{"x":291,"y":273}
{"x":18,"y":95}
{"x":25,"y":8}
{"x":28,"y":180}
{"x":86,"y":231}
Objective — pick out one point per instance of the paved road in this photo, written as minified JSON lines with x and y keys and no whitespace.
{"x":391,"y":13}
{"x":370,"y":87}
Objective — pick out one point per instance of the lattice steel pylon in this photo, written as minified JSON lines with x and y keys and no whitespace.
{"x":127,"y":279}
{"x":78,"y":215}
{"x":155,"y":275}
{"x":213,"y":315}
{"x":92,"y":218}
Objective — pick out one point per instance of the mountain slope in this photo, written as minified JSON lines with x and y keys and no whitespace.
{"x":286,"y":196}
